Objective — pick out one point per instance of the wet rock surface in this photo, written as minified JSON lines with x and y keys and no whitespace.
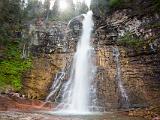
{"x":11,"y":115}
{"x":139,"y":63}
{"x":38,"y":80}
{"x":8,"y":102}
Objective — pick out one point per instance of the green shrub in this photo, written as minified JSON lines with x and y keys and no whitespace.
{"x":114,"y":3}
{"x":12,"y":67}
{"x":156,"y":4}
{"x":130,"y":41}
{"x":152,"y":26}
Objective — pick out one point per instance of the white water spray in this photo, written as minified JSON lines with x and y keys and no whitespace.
{"x":77,"y":99}
{"x":80,"y":94}
{"x":56,"y":84}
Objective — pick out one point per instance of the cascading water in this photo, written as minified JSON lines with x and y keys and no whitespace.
{"x":56,"y":84}
{"x":76,"y":94}
{"x":125,"y":100}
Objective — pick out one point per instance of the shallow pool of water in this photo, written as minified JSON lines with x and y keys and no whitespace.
{"x":92,"y":116}
{"x":13,"y":115}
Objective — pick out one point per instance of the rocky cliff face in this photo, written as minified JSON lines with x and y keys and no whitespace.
{"x":138,"y":41}
{"x":49,"y":57}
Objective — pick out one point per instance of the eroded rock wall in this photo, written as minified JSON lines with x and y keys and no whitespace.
{"x":139,"y":60}
{"x":49,"y":57}
{"x":38,"y":80}
{"x":139,"y":63}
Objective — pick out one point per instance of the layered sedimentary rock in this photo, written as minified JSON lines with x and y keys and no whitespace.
{"x":139,"y":61}
{"x":49,"y":57}
{"x":38,"y":80}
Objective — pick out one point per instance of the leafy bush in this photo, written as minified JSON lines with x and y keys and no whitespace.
{"x":156,"y":5}
{"x":12,"y":67}
{"x":153,"y":25}
{"x":114,"y":3}
{"x":129,"y":40}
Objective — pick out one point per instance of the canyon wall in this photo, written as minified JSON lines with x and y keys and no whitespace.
{"x":138,"y":41}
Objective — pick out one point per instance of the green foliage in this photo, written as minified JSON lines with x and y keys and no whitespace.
{"x":10,"y":19}
{"x":130,"y":41}
{"x":34,"y":9}
{"x":114,"y":3}
{"x":100,"y":7}
{"x":152,"y":26}
{"x":157,"y":5}
{"x":10,"y":11}
{"x":12,"y":67}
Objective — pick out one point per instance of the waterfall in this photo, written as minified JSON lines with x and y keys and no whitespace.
{"x":56,"y":84}
{"x":77,"y":90}
{"x":124,"y":100}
